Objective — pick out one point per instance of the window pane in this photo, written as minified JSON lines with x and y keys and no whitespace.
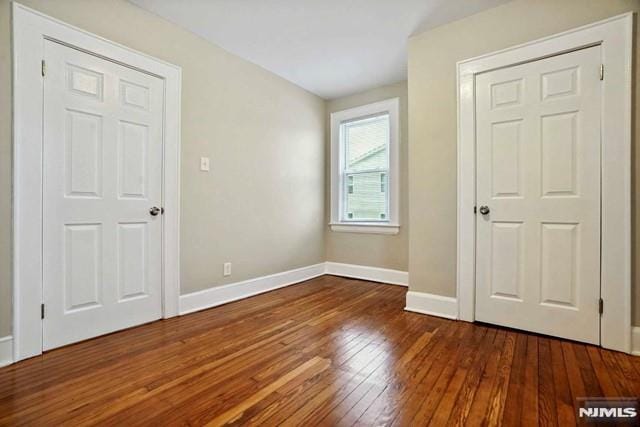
{"x":366,"y":199}
{"x":367,"y":143}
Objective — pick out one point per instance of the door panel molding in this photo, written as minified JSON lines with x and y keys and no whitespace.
{"x":615,"y":37}
{"x":30,"y":30}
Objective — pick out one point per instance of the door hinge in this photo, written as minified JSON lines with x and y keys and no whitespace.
{"x":601,"y":71}
{"x":601,"y":306}
{"x":475,"y":209}
{"x":42,"y":311}
{"x":162,"y":211}
{"x":43,"y":68}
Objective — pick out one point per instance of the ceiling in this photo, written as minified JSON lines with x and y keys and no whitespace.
{"x":329,"y":47}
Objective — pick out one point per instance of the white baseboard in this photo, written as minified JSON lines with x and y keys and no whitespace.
{"x":635,"y":340}
{"x":6,"y":351}
{"x":374,"y":274}
{"x":219,"y":295}
{"x":232,"y":292}
{"x":434,"y":305}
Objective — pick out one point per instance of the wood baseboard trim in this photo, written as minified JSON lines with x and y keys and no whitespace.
{"x":219,"y":295}
{"x":363,"y":272}
{"x":6,"y":351}
{"x":433,"y":305}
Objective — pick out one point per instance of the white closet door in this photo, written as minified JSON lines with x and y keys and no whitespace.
{"x":102,"y":175}
{"x":538,"y":247}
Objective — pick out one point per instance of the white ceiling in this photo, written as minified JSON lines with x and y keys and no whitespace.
{"x":329,"y":47}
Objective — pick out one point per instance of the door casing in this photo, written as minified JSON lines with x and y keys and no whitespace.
{"x":615,"y":35}
{"x":30,"y":29}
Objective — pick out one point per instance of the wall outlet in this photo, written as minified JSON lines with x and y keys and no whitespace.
{"x":204,"y":164}
{"x":227,"y":269}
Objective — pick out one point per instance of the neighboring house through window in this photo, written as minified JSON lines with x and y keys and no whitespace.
{"x":364,"y":168}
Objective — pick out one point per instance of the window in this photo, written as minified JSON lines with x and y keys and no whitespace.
{"x":364,"y":168}
{"x":366,"y":163}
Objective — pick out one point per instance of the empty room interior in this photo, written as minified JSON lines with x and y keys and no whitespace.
{"x":319,"y":212}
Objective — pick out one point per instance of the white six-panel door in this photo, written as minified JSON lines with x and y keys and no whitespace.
{"x":102,"y":174}
{"x":538,"y":175}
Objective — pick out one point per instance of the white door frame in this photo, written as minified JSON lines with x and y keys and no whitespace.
{"x":615,"y":37}
{"x":30,"y":30}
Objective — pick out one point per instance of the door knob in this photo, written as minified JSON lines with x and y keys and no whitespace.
{"x":484,"y":210}
{"x":154,"y":211}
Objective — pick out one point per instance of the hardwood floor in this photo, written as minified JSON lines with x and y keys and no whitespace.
{"x":330,"y":351}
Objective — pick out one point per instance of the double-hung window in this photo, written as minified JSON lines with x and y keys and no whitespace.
{"x":364,"y":168}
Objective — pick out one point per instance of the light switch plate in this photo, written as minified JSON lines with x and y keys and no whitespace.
{"x":227,"y":269}
{"x":204,"y":164}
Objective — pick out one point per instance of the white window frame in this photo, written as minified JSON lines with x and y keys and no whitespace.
{"x":615,"y":35}
{"x":391,"y":225}
{"x":30,"y":29}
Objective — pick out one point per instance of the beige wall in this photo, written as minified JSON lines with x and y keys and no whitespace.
{"x":372,"y":249}
{"x":262,"y":205}
{"x":432,"y":121}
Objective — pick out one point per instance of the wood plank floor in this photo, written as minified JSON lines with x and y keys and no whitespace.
{"x":330,"y":351}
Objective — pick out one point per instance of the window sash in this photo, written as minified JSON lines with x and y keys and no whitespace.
{"x":345,"y":172}
{"x":343,"y":143}
{"x":344,"y":215}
